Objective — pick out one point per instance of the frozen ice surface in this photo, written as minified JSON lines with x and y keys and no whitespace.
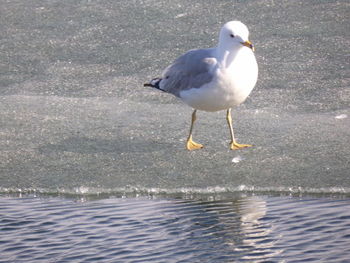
{"x":75,"y":115}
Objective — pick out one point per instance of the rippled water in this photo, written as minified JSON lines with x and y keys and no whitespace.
{"x":158,"y":229}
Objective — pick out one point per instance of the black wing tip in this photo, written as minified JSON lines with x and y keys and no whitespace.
{"x":154,"y":83}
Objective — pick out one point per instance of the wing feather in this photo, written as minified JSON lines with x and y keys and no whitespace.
{"x":191,"y":70}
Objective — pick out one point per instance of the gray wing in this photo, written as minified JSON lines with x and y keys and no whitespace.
{"x":191,"y":70}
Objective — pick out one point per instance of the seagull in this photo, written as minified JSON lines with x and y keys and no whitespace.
{"x":213,"y":79}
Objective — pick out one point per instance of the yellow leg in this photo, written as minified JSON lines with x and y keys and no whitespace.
{"x":233,"y":144}
{"x":191,"y":145}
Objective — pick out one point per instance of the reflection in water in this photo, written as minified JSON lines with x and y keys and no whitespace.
{"x":256,"y":232}
{"x":237,"y":229}
{"x":234,"y":227}
{"x":240,"y":225}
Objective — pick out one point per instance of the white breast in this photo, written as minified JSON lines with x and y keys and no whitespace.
{"x":230,"y":86}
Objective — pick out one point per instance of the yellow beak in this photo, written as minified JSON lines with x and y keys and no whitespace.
{"x":248,"y":44}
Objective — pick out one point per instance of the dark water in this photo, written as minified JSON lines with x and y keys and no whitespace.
{"x":76,"y":122}
{"x":241,"y":228}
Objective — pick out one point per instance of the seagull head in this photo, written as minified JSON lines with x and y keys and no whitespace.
{"x":234,"y":35}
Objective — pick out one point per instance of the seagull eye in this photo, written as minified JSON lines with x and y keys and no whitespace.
{"x":232,"y":35}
